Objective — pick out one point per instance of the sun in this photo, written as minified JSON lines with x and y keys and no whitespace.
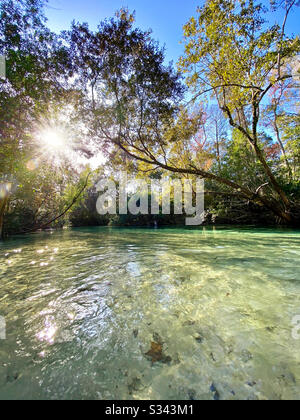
{"x":54,"y":144}
{"x":57,"y":143}
{"x":53,"y":140}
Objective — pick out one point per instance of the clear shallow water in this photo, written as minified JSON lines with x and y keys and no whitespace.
{"x":83,"y":306}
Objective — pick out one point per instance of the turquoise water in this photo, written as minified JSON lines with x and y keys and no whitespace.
{"x":103,"y":313}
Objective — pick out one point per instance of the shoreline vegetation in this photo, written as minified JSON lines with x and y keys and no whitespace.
{"x":82,"y":216}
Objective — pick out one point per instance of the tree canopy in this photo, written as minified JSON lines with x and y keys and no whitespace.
{"x":229,"y":113}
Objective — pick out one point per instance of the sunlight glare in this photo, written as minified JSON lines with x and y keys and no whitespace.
{"x":53,"y":140}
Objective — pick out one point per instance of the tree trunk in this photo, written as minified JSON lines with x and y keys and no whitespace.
{"x":3,"y":204}
{"x":283,"y":150}
{"x":218,"y":147}
{"x":270,"y":175}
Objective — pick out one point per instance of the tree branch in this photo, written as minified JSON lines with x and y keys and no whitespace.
{"x":44,"y":225}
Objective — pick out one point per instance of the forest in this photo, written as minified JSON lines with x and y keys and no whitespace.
{"x":228,"y":112}
{"x":110,"y":295}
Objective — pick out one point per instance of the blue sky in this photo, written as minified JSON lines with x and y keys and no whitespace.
{"x":164,"y":17}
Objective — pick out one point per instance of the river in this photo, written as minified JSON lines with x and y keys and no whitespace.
{"x":113,"y":313}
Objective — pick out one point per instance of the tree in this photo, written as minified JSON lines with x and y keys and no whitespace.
{"x":127,"y":92}
{"x":231,"y":55}
{"x":131,"y":101}
{"x":289,"y":125}
{"x":283,"y":97}
{"x":37,"y":70}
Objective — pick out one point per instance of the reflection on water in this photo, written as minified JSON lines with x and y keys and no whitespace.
{"x":150,"y":314}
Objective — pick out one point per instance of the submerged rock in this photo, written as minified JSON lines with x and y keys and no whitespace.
{"x":251,"y":384}
{"x":212,"y":357}
{"x":246,"y":356}
{"x":214,"y":390}
{"x":157,"y":338}
{"x":199,"y":338}
{"x":176,"y":359}
{"x":188,"y":323}
{"x":288,"y":377}
{"x":183,"y":279}
{"x":192,"y":394}
{"x":14,"y":377}
{"x":270,"y":329}
{"x":135,"y":384}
